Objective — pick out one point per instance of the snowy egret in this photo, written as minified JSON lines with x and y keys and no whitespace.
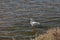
{"x":34,"y":23}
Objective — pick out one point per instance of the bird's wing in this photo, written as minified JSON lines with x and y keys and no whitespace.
{"x":36,"y":23}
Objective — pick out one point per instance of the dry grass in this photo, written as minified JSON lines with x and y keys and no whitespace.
{"x":51,"y":34}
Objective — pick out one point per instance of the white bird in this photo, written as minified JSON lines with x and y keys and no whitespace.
{"x":33,"y":23}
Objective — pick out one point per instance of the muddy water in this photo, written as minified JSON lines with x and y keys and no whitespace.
{"x":16,"y":13}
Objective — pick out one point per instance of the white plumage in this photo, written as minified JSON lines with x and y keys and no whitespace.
{"x":32,"y":22}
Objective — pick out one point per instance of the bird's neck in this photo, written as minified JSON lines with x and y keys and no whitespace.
{"x":31,"y":20}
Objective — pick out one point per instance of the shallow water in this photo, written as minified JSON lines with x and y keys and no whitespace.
{"x":12,"y":11}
